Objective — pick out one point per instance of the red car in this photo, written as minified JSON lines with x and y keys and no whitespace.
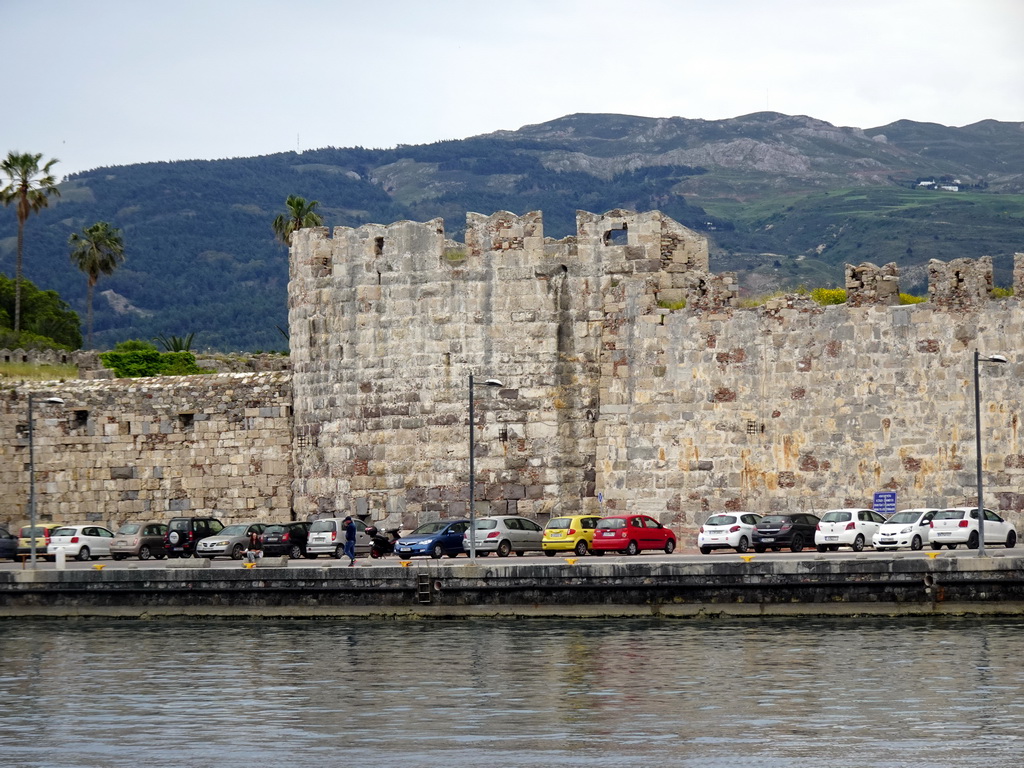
{"x":629,"y":534}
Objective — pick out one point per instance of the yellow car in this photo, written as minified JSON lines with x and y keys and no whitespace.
{"x":42,"y":532}
{"x":569,"y":534}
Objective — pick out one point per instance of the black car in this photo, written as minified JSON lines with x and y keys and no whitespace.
{"x":183,"y":533}
{"x":8,"y":544}
{"x":285,"y":539}
{"x":795,"y":531}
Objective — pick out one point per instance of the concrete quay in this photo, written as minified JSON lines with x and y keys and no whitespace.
{"x":736,"y":587}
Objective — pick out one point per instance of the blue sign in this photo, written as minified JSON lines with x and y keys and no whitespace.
{"x":885,"y":503}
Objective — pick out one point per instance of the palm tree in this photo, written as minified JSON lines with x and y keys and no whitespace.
{"x":97,"y":251}
{"x":300,"y":215}
{"x":29,"y":188}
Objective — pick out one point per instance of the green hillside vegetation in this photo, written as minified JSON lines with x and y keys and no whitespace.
{"x":785,"y":201}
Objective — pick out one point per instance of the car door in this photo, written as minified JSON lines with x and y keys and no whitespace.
{"x":996,"y":529}
{"x":514,"y":533}
{"x":869,"y":523}
{"x":533,"y":535}
{"x":363,"y":539}
{"x":451,"y":539}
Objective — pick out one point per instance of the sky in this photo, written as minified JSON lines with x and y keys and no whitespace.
{"x":99,"y":83}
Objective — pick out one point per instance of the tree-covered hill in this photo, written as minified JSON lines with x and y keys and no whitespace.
{"x":784,"y":199}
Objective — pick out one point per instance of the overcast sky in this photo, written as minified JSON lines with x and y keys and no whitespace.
{"x":111,"y":82}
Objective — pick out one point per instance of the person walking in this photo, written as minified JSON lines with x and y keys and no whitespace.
{"x":350,"y":540}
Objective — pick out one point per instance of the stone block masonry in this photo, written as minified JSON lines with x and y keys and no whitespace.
{"x":155,"y":448}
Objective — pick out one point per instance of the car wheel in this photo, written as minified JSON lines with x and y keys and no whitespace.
{"x":670,"y":546}
{"x":83,"y":554}
{"x":797,"y":543}
{"x":581,"y":548}
{"x":504,"y":549}
{"x":858,"y":543}
{"x":743,"y":545}
{"x":339,"y":552}
{"x":972,"y":541}
{"x":1011,"y":540}
{"x":549,"y":552}
{"x":952,"y":546}
{"x":236,"y":552}
{"x":294,"y":552}
{"x":822,"y":547}
{"x":145,"y":552}
{"x":933,"y":545}
{"x":707,"y":550}
{"x":633,"y":548}
{"x":757,"y":548}
{"x":916,"y":543}
{"x":437,"y":552}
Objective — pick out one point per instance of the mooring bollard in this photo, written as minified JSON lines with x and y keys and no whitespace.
{"x":60,"y":558}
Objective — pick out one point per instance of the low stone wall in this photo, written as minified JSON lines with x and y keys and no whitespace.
{"x":901,"y":585}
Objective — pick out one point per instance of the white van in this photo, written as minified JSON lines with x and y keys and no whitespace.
{"x":327,"y":537}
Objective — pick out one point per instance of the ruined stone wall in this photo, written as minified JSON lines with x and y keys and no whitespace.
{"x":150,"y":449}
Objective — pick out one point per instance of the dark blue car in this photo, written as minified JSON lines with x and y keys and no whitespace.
{"x":439,"y":538}
{"x":9,"y":544}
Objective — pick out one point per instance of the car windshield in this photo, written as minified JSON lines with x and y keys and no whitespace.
{"x":428,"y":528}
{"x":771,"y":520}
{"x":837,"y":517}
{"x":486,"y":525}
{"x":274,"y":529}
{"x":611,"y":522}
{"x":320,"y":526}
{"x":721,"y":520}
{"x":950,"y":514}
{"x":904,"y":517}
{"x":559,"y":522}
{"x":233,"y":530}
{"x":64,"y":532}
{"x":28,"y":531}
{"x":179,"y":525}
{"x":128,"y":529}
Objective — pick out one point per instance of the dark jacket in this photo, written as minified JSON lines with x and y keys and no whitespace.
{"x":350,"y":531}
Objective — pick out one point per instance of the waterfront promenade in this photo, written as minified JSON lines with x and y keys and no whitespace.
{"x":777,"y":584}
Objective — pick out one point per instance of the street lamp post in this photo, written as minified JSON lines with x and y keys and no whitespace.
{"x":978,"y":359}
{"x":472,"y":470}
{"x":32,"y":477}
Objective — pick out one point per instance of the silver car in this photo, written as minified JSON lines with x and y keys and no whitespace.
{"x":231,"y":541}
{"x":327,"y":537}
{"x":504,"y":534}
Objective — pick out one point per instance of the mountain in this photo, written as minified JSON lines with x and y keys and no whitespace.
{"x":784,"y":200}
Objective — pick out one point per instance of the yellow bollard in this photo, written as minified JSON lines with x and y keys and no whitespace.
{"x":248,"y":565}
{"x":571,"y":560}
{"x":746,"y":558}
{"x":933,"y":555}
{"x":405,"y":563}
{"x":100,"y":566}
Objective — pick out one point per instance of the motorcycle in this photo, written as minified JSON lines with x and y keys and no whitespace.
{"x":382,"y":543}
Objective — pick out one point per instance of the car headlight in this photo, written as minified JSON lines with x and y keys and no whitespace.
{"x":908,"y":529}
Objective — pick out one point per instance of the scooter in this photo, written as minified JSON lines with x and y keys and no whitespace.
{"x":382,"y":544}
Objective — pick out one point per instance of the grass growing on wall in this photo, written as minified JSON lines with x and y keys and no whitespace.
{"x":37,"y":372}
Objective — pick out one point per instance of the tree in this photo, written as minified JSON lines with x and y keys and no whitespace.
{"x":97,"y":251}
{"x":29,"y":188}
{"x":300,"y":215}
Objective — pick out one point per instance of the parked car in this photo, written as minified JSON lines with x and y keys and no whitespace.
{"x":286,"y":539}
{"x":794,"y":530}
{"x":183,"y":533}
{"x":909,"y":528}
{"x":727,"y":530}
{"x":504,"y":534}
{"x":437,"y":538}
{"x":629,"y":534}
{"x":327,"y":537}
{"x":851,"y":528}
{"x":141,"y":540}
{"x":959,"y":525}
{"x":230,"y":541}
{"x":42,"y":532}
{"x":81,"y":541}
{"x":569,"y":534}
{"x":8,"y":544}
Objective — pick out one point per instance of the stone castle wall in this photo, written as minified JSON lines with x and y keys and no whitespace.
{"x":150,"y":449}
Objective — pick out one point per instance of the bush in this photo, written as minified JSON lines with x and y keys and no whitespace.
{"x":149,"y":362}
{"x":906,"y":298}
{"x":829,"y":296}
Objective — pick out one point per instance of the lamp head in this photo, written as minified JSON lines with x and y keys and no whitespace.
{"x":493,"y":383}
{"x":996,"y":358}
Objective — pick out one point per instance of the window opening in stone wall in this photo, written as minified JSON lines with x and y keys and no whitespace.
{"x":503,"y":434}
{"x":378,"y":278}
{"x":617,"y":235}
{"x":186,"y":420}
{"x":378,"y":246}
{"x":79,"y":419}
{"x":753,"y":427}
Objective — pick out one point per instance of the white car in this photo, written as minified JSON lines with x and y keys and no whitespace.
{"x":909,"y":528}
{"x":959,"y":525}
{"x":846,"y":528}
{"x":504,"y":534}
{"x":727,"y":530}
{"x":81,"y":541}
